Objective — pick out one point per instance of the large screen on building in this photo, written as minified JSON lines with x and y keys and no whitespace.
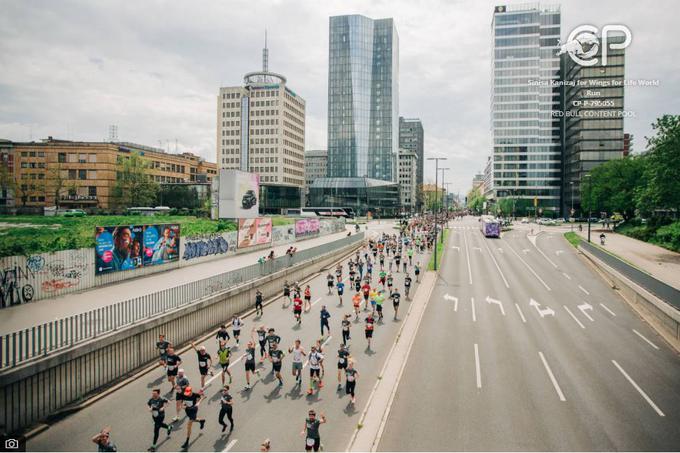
{"x":254,"y":232}
{"x":238,"y":195}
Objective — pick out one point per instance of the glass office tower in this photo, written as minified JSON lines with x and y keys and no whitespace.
{"x":527,"y":149}
{"x":363,"y":98}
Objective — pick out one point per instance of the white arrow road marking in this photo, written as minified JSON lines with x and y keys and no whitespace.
{"x":525,"y":251}
{"x":530,"y":268}
{"x":586,"y":306}
{"x":610,"y":312}
{"x":500,"y":250}
{"x":477,"y":370}
{"x":447,"y":296}
{"x":640,"y":391}
{"x":474,"y":314}
{"x":566,"y":275}
{"x":559,"y":252}
{"x":230,"y":445}
{"x":575,"y":318}
{"x":479,"y":249}
{"x":456,"y":248}
{"x":543,"y":313}
{"x":552,"y":377}
{"x":497,"y":302}
{"x":583,"y":289}
{"x":645,"y":338}
{"x":521,"y":315}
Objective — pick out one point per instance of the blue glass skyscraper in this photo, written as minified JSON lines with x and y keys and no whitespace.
{"x":363,"y":98}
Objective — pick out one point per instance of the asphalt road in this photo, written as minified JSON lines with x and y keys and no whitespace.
{"x":264,"y":412}
{"x":577,"y":372}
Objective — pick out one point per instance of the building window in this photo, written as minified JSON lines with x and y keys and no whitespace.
{"x":92,"y":191}
{"x":93,"y":158}
{"x":82,"y":174}
{"x":93,"y":174}
{"x":61,"y":158}
{"x":72,"y":174}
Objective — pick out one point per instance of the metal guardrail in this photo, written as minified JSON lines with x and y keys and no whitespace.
{"x":19,"y":347}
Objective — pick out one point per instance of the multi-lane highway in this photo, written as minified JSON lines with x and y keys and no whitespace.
{"x":524,"y":347}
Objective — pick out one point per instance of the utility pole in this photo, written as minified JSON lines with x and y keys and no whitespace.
{"x":436,"y":185}
{"x":590,"y":208}
{"x":442,"y":203}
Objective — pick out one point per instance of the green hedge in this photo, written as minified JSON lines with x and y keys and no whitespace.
{"x":667,"y":236}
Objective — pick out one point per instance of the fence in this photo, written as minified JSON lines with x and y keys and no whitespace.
{"x":19,"y":347}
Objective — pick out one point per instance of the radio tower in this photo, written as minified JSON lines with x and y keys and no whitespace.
{"x":113,"y":133}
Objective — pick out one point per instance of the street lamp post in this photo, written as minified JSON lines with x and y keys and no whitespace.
{"x":590,"y":208}
{"x":571,"y":213}
{"x":436,"y":185}
{"x":441,"y":206}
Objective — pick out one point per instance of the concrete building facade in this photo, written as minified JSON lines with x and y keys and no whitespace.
{"x":412,"y":138}
{"x":316,"y":166}
{"x":408,"y":179}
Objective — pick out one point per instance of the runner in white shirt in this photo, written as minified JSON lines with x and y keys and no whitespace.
{"x":236,"y":325}
{"x":315,"y":363}
{"x":298,"y":353}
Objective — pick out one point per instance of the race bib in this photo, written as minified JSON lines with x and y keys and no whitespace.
{"x":188,"y":403}
{"x":310,"y":442}
{"x":171,"y":367}
{"x":202,"y":364}
{"x":154,"y":413}
{"x":342,"y":360}
{"x":350,"y":378}
{"x":250,"y":357}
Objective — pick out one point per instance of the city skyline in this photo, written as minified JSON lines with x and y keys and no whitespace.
{"x":160,"y":84}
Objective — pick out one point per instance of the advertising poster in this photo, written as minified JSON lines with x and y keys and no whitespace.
{"x":306,"y":227}
{"x":161,"y":244}
{"x":118,"y":248}
{"x":254,"y":232}
{"x":238,"y":195}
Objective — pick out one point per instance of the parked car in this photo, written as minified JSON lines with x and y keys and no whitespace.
{"x":74,"y":213}
{"x":249,"y":199}
{"x":524,"y":220}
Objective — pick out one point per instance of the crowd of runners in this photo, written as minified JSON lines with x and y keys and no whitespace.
{"x":362,"y":285}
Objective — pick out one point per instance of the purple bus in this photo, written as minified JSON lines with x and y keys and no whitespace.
{"x":490,"y":227}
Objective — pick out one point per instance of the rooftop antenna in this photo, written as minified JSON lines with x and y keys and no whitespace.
{"x":113,"y":133}
{"x":265,"y":54}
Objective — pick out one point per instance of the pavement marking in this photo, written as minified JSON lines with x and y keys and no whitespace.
{"x":559,"y":252}
{"x":552,"y":377}
{"x":474,"y":315}
{"x":640,"y":391}
{"x":489,"y":300}
{"x":530,"y":268}
{"x":456,"y":248}
{"x":586,"y":306}
{"x":645,"y":338}
{"x":496,"y":263}
{"x":316,"y":301}
{"x":583,"y":289}
{"x":610,"y":312}
{"x":467,"y":252}
{"x":566,"y":275}
{"x":447,"y":296}
{"x":207,"y":384}
{"x":479,"y":249}
{"x":542,"y":313}
{"x":230,"y":445}
{"x":533,"y":242}
{"x":521,"y":315}
{"x":575,"y":318}
{"x":477,"y":370}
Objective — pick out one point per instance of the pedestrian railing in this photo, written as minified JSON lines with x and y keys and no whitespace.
{"x":38,"y":341}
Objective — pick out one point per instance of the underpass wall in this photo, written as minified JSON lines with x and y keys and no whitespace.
{"x":35,"y":391}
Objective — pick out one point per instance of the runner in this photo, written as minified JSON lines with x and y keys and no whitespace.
{"x":356,"y":301}
{"x":172,"y":363}
{"x":341,"y":290}
{"x":381,"y":278}
{"x":162,"y":345}
{"x":366,"y":290}
{"x":357,"y":285}
{"x":272,"y":340}
{"x":262,"y":340}
{"x":276,"y":357}
{"x":286,"y":294}
{"x":157,"y":405}
{"x":343,"y":355}
{"x":298,"y":353}
{"x":346,"y":328}
{"x":397,"y":260}
{"x":236,"y":324}
{"x":395,"y":296}
{"x":410,"y":256}
{"x":369,"y":329}
{"x":191,"y":402}
{"x":204,"y":362}
{"x":226,"y":408}
{"x":324,"y":320}
{"x":315,"y":364}
{"x":311,"y":431}
{"x":297,"y":310}
{"x":224,"y":356}
{"x":351,"y":375}
{"x":329,"y":280}
{"x":382,"y":261}
{"x":250,"y":363}
{"x":416,"y":269}
{"x":258,"y":303}
{"x":308,"y":298}
{"x":222,"y":335}
{"x":103,"y":440}
{"x":390,"y":282}
{"x":338,"y":272}
{"x":405,"y":266}
{"x":407,"y":286}
{"x":379,"y":299}
{"x":182,"y":384}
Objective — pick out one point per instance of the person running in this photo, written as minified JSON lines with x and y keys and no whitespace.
{"x":297,"y":310}
{"x":204,"y":362}
{"x":405,"y":266}
{"x":409,"y":252}
{"x":379,"y":299}
{"x":262,"y":340}
{"x":192,"y":401}
{"x":338,"y":272}
{"x":311,"y":431}
{"x":236,"y":325}
{"x":286,"y":294}
{"x":308,"y":298}
{"x":351,"y":375}
{"x":162,"y":345}
{"x":368,"y":329}
{"x":396,"y":298}
{"x":157,"y":405}
{"x":276,"y":357}
{"x":298,"y":354}
{"x":182,"y":384}
{"x":272,"y":340}
{"x":222,"y":334}
{"x":315,"y":364}
{"x":224,"y":356}
{"x":407,"y":286}
{"x":416,"y":270}
{"x":103,"y":440}
{"x":357,"y":285}
{"x":382,"y":261}
{"x":346,"y":329}
{"x":382,"y":276}
{"x":172,"y":363}
{"x":356,"y":301}
{"x":226,"y":409}
{"x":390,"y":282}
{"x":341,"y":290}
{"x":343,"y":356}
{"x":397,"y":260}
{"x":250,"y":363}
{"x":369,"y":271}
{"x":366,"y":291}
{"x":324,"y":315}
{"x":258,"y":303}
{"x":330,"y":281}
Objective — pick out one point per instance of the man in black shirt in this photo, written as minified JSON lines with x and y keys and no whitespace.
{"x":407,"y":285}
{"x":343,"y":355}
{"x":226,"y":403}
{"x":258,"y":303}
{"x":191,"y":402}
{"x":276,"y":357}
{"x":204,"y":362}
{"x":172,"y":363}
{"x":222,"y":334}
{"x":162,"y":345}
{"x":157,"y":405}
{"x":272,"y":339}
{"x":250,"y":363}
{"x":182,"y":382}
{"x":311,"y":431}
{"x":396,"y":297}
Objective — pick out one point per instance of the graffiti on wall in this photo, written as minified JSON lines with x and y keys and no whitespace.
{"x":15,"y":286}
{"x":216,"y":245}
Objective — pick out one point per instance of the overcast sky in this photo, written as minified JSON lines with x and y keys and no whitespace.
{"x":71,"y":68}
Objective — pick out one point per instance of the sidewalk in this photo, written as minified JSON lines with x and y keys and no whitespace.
{"x":28,"y":315}
{"x":660,"y":263}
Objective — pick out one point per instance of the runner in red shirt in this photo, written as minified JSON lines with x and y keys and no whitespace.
{"x":308,"y":298}
{"x":366,"y":289}
{"x":297,"y":309}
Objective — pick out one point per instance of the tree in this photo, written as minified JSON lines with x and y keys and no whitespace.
{"x":175,"y":196}
{"x":134,"y":186}
{"x":612,"y":186}
{"x":476,"y":200}
{"x":56,"y":182}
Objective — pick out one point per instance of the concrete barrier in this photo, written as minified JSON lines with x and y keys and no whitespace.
{"x":39,"y":389}
{"x":664,"y":318}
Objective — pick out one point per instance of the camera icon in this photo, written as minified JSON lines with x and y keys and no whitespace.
{"x":11,"y":444}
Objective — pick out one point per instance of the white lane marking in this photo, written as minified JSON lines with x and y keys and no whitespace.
{"x":447,"y":296}
{"x":566,"y":275}
{"x":575,"y":318}
{"x":467,"y":253}
{"x":496,"y":263}
{"x":489,"y":300}
{"x":322,"y":345}
{"x":525,"y":251}
{"x":479,"y":373}
{"x":640,"y":391}
{"x":610,"y":312}
{"x":552,"y":377}
{"x":583,"y":289}
{"x":474,"y":315}
{"x":521,"y":315}
{"x":645,"y":338}
{"x":316,"y":301}
{"x":230,"y":445}
{"x":529,"y":267}
{"x":207,"y":384}
{"x":586,"y":306}
{"x":544,"y":255}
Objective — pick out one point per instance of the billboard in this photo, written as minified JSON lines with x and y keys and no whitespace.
{"x":238,"y":195}
{"x":254,"y":232}
{"x":306,"y":227}
{"x":125,"y":247}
